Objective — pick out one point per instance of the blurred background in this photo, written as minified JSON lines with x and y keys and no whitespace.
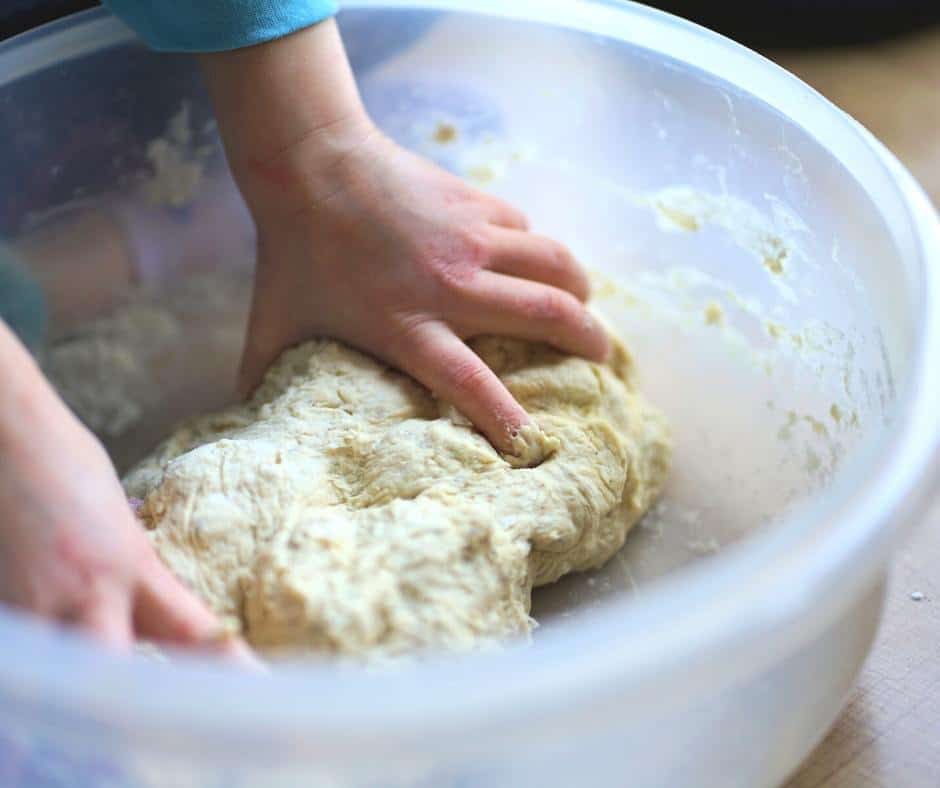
{"x":877,"y":59}
{"x":772,"y":23}
{"x":880,"y":61}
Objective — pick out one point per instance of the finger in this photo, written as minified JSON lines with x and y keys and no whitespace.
{"x":239,"y":651}
{"x":493,"y":303}
{"x":502,"y":214}
{"x":106,"y":615}
{"x":166,"y":611}
{"x":540,"y":259}
{"x":441,"y":361}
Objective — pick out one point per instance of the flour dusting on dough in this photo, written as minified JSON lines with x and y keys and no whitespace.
{"x":344,"y":510}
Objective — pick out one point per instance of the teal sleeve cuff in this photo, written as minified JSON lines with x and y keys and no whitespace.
{"x":217,"y":25}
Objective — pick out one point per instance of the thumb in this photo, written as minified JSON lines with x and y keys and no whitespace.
{"x":266,"y":335}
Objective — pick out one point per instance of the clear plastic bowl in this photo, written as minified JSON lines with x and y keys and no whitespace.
{"x":775,"y":271}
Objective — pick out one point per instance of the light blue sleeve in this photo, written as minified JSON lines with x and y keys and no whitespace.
{"x":217,"y":25}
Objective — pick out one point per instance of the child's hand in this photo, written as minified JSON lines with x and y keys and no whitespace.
{"x":70,"y":548}
{"x":404,"y":260}
{"x":363,"y":241}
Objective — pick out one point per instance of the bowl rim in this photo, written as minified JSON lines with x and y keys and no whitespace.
{"x":603,"y":656}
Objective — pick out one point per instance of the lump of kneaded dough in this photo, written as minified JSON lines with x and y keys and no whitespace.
{"x":345,"y":510}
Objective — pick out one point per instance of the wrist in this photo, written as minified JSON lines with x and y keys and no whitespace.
{"x":288,"y":111}
{"x":310,"y":173}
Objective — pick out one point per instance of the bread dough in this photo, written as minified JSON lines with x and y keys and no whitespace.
{"x":345,"y":510}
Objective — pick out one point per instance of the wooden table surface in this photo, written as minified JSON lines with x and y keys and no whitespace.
{"x":889,"y":734}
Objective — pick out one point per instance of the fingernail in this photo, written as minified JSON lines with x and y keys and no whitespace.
{"x":530,"y":448}
{"x":247,"y":658}
{"x":228,"y":645}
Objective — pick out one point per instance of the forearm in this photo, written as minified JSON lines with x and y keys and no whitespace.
{"x":289,"y":111}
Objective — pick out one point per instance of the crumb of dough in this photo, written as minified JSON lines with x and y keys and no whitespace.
{"x":714,"y":314}
{"x":344,"y":510}
{"x":775,"y":257}
{"x":177,"y":168}
{"x":681,"y":219}
{"x":774,"y":265}
{"x":445,"y":133}
{"x":482,"y":174}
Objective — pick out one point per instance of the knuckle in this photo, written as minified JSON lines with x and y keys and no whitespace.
{"x":474,"y":249}
{"x":572,"y":276}
{"x":73,"y":554}
{"x":554,"y":307}
{"x":82,"y":600}
{"x":583,"y":283}
{"x":509,"y":211}
{"x":454,"y":264}
{"x":510,"y":214}
{"x":469,"y":376}
{"x":560,"y":255}
{"x":454,"y":276}
{"x":406,"y":335}
{"x":188,"y":630}
{"x":86,"y":572}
